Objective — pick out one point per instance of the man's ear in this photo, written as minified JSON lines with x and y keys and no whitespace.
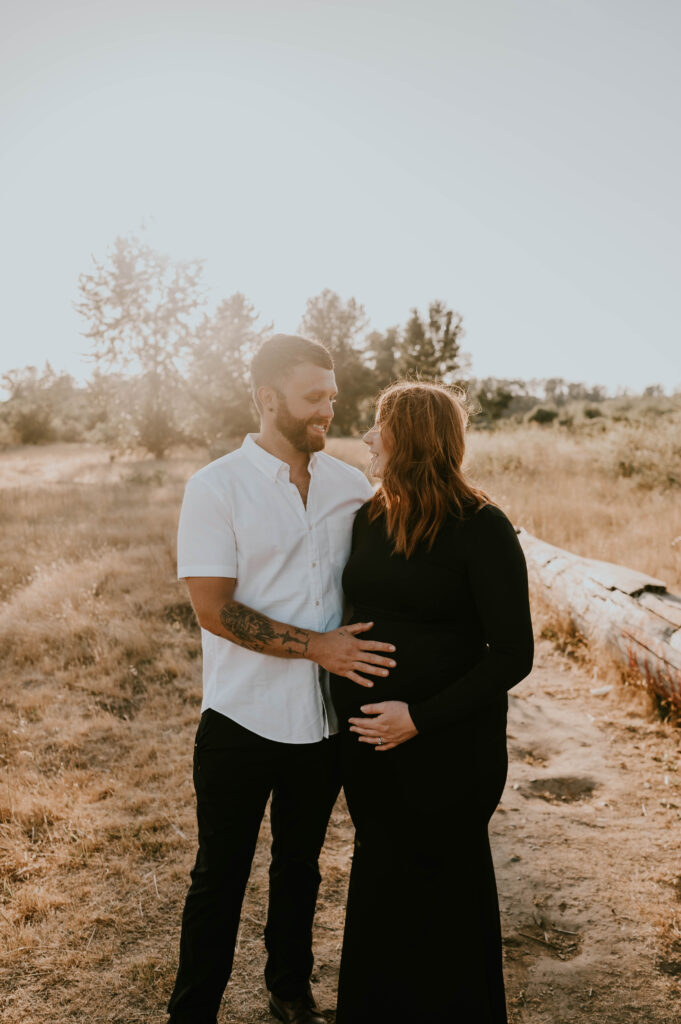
{"x":266,"y":396}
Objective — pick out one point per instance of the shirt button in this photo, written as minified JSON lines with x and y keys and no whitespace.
{"x":316,"y":602}
{"x":314,"y":565}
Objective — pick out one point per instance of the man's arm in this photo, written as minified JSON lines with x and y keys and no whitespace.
{"x":340,"y":651}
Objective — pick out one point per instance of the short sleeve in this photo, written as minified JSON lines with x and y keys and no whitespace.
{"x":206,"y":545}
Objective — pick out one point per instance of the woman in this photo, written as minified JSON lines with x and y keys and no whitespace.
{"x":439,"y":571}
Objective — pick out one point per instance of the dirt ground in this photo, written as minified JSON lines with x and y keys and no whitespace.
{"x":586,"y":846}
{"x":99,"y":704}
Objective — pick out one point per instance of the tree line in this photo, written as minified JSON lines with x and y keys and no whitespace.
{"x":166,"y":371}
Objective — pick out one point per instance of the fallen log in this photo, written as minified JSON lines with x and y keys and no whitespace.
{"x":622,"y":610}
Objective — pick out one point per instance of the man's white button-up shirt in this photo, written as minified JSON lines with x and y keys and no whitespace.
{"x":243,"y":518}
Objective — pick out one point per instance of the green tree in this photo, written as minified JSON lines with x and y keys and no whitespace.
{"x":499,"y":397}
{"x":383,"y":350}
{"x":493,"y":397}
{"x":140,"y":307}
{"x":431,"y":346}
{"x":113,"y":400}
{"x":556,"y":390}
{"x":339,"y":324}
{"x":218,"y":371}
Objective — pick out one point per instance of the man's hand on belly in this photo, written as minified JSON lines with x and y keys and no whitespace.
{"x":344,"y":654}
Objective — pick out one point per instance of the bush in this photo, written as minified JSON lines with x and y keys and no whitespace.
{"x":542,"y":416}
{"x":43,"y":406}
{"x":651,"y":456}
{"x":33,"y":425}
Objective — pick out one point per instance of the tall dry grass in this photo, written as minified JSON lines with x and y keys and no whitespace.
{"x":610,"y":491}
{"x":100,"y":693}
{"x":570,"y":489}
{"x":100,"y":696}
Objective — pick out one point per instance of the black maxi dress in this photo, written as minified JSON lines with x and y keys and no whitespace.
{"x":422,"y":935}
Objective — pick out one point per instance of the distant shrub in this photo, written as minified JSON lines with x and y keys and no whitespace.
{"x":43,"y":406}
{"x":592,"y":411}
{"x":141,"y":477}
{"x":653,"y":410}
{"x":33,"y":425}
{"x":651,"y":456}
{"x":542,"y":415}
{"x":7,"y":435}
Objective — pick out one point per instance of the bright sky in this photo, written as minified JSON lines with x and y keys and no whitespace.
{"x":519,"y":159}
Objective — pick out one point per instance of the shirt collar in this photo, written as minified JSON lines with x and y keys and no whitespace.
{"x":270,"y":465}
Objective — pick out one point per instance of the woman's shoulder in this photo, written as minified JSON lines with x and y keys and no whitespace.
{"x":492,"y":536}
{"x":475,"y":513}
{"x":489,"y":513}
{"x":485,"y":520}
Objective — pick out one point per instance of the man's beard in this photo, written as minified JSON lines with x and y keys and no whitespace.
{"x":295,"y":431}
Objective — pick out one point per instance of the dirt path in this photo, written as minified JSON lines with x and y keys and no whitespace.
{"x":586,"y":845}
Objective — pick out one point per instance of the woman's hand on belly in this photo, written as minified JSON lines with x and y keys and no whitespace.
{"x":390,"y":726}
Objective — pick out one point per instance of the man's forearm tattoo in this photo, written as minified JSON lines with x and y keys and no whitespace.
{"x":258,"y":633}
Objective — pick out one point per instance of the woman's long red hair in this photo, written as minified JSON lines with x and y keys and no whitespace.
{"x":423,"y":427}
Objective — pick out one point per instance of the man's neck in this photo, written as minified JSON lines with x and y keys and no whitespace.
{"x":276,"y":445}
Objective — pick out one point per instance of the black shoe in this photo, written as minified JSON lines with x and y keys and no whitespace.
{"x":301,"y":1010}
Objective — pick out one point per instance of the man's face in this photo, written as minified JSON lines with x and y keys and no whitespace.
{"x":304,"y":406}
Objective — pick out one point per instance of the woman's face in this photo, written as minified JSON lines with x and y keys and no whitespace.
{"x":376,"y":441}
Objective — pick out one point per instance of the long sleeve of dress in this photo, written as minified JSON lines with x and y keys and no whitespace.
{"x":497,"y":576}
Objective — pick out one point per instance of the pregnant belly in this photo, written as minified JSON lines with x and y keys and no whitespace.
{"x":429,"y":656}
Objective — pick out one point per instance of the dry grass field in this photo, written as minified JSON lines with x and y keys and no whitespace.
{"x":613,"y":494}
{"x":100,"y":665}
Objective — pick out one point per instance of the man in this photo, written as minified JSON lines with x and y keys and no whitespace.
{"x":263,"y":537}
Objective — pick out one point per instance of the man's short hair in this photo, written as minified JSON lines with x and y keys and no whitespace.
{"x":277,"y":356}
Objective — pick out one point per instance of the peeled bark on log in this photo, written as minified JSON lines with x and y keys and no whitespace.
{"x":627,"y":612}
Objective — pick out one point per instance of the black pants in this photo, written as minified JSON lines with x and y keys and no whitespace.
{"x":235,"y":771}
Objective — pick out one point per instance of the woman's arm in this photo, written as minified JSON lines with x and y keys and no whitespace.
{"x":497,"y":574}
